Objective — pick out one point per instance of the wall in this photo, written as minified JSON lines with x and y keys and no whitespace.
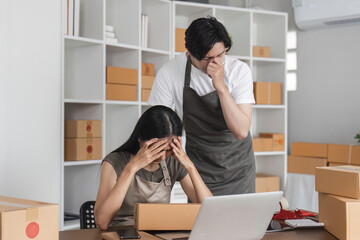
{"x":30,"y":99}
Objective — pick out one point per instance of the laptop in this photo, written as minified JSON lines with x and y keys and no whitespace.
{"x":240,"y":217}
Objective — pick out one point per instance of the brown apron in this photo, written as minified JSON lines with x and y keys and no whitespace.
{"x":226,"y":164}
{"x":142,"y":191}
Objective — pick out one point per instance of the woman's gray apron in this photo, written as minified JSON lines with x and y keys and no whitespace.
{"x":226,"y":164}
{"x":142,"y":191}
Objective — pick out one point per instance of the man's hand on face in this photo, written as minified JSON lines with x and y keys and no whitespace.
{"x":215,"y":70}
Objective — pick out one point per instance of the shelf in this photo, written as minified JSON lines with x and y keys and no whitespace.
{"x":71,"y":225}
{"x":268,"y":153}
{"x":122,"y":45}
{"x":72,"y":42}
{"x":112,"y":102}
{"x":261,"y":106}
{"x":78,"y":163}
{"x":83,"y":101}
{"x":152,"y":50}
{"x":268,"y":59}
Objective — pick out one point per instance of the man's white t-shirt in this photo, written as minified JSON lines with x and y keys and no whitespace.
{"x":169,"y":83}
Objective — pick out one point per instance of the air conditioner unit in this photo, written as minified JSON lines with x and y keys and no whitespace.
{"x":312,"y":14}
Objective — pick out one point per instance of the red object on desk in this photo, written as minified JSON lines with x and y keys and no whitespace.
{"x":287,"y":214}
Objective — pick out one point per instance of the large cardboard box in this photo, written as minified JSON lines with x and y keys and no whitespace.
{"x":180,"y":40}
{"x":340,"y":216}
{"x":147,"y":69}
{"x":338,"y":180}
{"x":26,"y":219}
{"x":267,"y":93}
{"x":304,"y":165}
{"x":145,"y":94}
{"x":120,"y":92}
{"x":119,"y":75}
{"x":266,"y":183}
{"x":339,"y":153}
{"x":355,"y":155}
{"x":261,"y":51}
{"x":165,"y":216}
{"x":262,"y":144}
{"x":78,"y":149}
{"x":309,"y":149}
{"x":147,"y":81}
{"x":82,"y":128}
{"x":277,"y":140}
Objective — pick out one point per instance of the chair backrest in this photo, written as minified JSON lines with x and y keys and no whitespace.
{"x":87,"y":216}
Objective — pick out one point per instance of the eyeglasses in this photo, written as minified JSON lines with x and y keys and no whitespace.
{"x":218,"y":56}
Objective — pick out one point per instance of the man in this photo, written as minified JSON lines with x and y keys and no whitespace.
{"x":214,"y":94}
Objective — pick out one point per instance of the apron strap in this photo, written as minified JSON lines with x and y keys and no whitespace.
{"x":165,"y":171}
{"x":187,"y":73}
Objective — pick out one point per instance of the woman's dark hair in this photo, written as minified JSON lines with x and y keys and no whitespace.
{"x":156,"y":122}
{"x":203,"y":34}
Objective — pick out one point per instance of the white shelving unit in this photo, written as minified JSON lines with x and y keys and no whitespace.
{"x":85,"y":58}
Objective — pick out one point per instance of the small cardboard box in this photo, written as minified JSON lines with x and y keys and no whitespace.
{"x":277,"y":140}
{"x":267,"y":93}
{"x":340,"y":216}
{"x":78,"y":149}
{"x":355,"y":155}
{"x":261,"y":51}
{"x":147,"y":69}
{"x":266,"y":183}
{"x":165,"y":216}
{"x":26,"y":219}
{"x":119,"y":75}
{"x":339,"y":153}
{"x":120,"y":92}
{"x":262,"y":144}
{"x":82,"y":128}
{"x":338,"y":180}
{"x":147,"y":81}
{"x":309,"y":149}
{"x":304,"y":165}
{"x":145,"y":94}
{"x":180,"y":40}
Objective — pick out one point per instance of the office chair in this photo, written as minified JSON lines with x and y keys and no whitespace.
{"x":87,"y":217}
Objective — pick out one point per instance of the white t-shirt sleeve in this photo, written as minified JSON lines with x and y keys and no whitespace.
{"x":162,"y":90}
{"x":242,"y":84}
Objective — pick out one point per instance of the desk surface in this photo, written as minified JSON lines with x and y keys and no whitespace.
{"x":300,"y":234}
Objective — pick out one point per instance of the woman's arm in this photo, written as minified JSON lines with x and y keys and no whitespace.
{"x":192,"y":184}
{"x":112,"y":192}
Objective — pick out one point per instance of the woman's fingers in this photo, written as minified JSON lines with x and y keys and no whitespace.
{"x":148,"y":143}
{"x":158,"y":146}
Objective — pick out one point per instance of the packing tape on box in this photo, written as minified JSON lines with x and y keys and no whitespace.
{"x":31,"y":214}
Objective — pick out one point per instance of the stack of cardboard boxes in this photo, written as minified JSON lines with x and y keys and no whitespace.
{"x":83,"y":140}
{"x":267,"y":93}
{"x":339,"y":200}
{"x":147,"y":80}
{"x":121,"y":83}
{"x":305,"y":157}
{"x":268,"y":142}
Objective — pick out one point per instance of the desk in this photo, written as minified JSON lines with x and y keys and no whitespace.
{"x":300,"y":234}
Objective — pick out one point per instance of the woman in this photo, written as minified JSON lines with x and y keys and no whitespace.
{"x":145,"y":168}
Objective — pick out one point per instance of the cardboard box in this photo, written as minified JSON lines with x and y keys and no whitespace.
{"x":145,"y":94}
{"x":120,"y":92}
{"x":335,"y":164}
{"x":165,"y":216}
{"x":261,"y":51}
{"x":147,"y":81}
{"x":267,"y":93}
{"x":119,"y":75}
{"x":338,"y":180}
{"x":26,"y":219}
{"x":262,"y":144}
{"x":82,"y":128}
{"x":355,"y":155}
{"x":340,"y":216}
{"x":180,"y":40}
{"x":277,"y":140}
{"x":339,"y":153}
{"x":266,"y":183}
{"x":309,"y":149}
{"x":304,"y":165}
{"x":147,"y":69}
{"x":78,"y":149}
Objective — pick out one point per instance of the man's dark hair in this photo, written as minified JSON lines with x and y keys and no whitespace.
{"x":203,"y":34}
